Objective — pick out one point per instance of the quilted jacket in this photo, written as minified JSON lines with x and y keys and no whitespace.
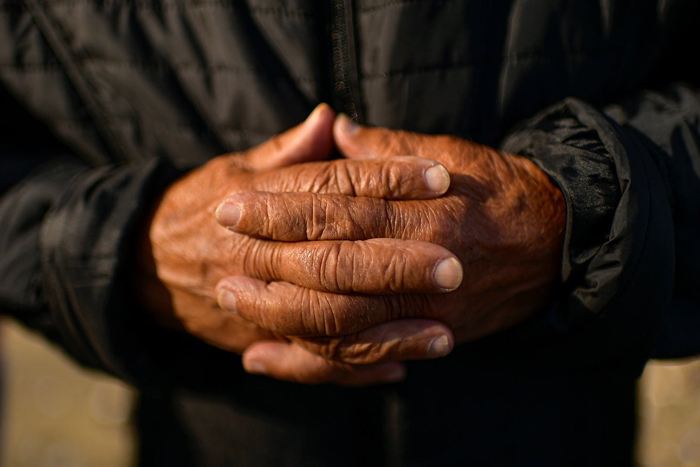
{"x":103,"y":103}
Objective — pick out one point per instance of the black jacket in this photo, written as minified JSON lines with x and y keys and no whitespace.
{"x":105,"y":102}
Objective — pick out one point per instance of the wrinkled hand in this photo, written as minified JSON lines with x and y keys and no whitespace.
{"x":184,"y":252}
{"x":502,"y":217}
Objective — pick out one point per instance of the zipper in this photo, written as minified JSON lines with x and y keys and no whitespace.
{"x":346,"y":86}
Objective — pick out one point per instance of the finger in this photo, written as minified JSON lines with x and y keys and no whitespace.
{"x":409,"y":339}
{"x":377,"y":266}
{"x":292,"y":310}
{"x":360,"y":142}
{"x":312,"y":140}
{"x":289,"y":362}
{"x":296,"y":217}
{"x":391,"y":178}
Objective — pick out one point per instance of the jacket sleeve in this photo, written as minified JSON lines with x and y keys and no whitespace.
{"x":630,"y":174}
{"x":66,"y":245}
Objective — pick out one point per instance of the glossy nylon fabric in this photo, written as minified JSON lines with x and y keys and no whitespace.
{"x":136,"y":91}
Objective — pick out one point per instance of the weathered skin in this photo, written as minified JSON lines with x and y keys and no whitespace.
{"x":502,"y":218}
{"x":184,"y":252}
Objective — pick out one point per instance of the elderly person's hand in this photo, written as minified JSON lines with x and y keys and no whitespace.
{"x":184,"y":252}
{"x":502,"y":218}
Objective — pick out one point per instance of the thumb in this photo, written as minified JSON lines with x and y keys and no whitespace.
{"x":309,"y":141}
{"x":360,"y":142}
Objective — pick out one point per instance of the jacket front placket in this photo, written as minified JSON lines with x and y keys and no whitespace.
{"x":346,"y":85}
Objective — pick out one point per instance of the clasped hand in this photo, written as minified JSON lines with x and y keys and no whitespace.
{"x":336,"y":271}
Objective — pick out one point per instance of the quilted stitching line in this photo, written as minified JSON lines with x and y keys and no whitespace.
{"x":55,"y":37}
{"x":391,"y":3}
{"x":171,"y":127}
{"x":181,"y":5}
{"x":541,"y":56}
{"x":48,"y":68}
{"x":196,"y":67}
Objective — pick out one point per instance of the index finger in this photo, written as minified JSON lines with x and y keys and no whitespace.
{"x":400,"y":177}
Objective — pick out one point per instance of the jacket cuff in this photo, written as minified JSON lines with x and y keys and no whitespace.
{"x":617,"y":268}
{"x":87,"y":242}
{"x":22,"y":210}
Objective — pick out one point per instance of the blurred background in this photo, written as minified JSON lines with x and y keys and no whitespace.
{"x":56,"y":414}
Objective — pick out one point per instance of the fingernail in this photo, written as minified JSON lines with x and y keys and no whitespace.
{"x":228,"y":215}
{"x":347,"y":125}
{"x":437,"y":178}
{"x":254,"y":367}
{"x":316,"y":112}
{"x":395,"y":374}
{"x":448,"y":274}
{"x":439,"y":347}
{"x":227,"y":301}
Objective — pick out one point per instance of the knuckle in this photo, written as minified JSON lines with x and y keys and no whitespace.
{"x":392,"y":176}
{"x":317,"y":316}
{"x":331,"y":218}
{"x":331,"y":348}
{"x":333,"y":319}
{"x":287,"y":219}
{"x":335,"y":177}
{"x":343,"y":265}
{"x":269,"y":215}
{"x":397,"y":272}
{"x":327,"y":267}
{"x":350,"y":266}
{"x":367,"y":218}
{"x":257,"y":259}
{"x":344,"y":180}
{"x":313,"y":177}
{"x":367,"y":353}
{"x":392,"y":224}
{"x":350,"y":219}
{"x":322,"y":179}
{"x":316,"y":229}
{"x":349,"y":350}
{"x":354,"y":351}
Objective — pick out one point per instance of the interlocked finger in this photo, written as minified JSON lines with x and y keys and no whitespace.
{"x":401,"y":177}
{"x":290,"y":362}
{"x":377,"y":266}
{"x":294,"y":217}
{"x":407,"y":339}
{"x":292,"y":310}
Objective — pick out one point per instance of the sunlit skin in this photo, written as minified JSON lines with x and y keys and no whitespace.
{"x":501,"y":217}
{"x":334,"y":271}
{"x":184,"y":252}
